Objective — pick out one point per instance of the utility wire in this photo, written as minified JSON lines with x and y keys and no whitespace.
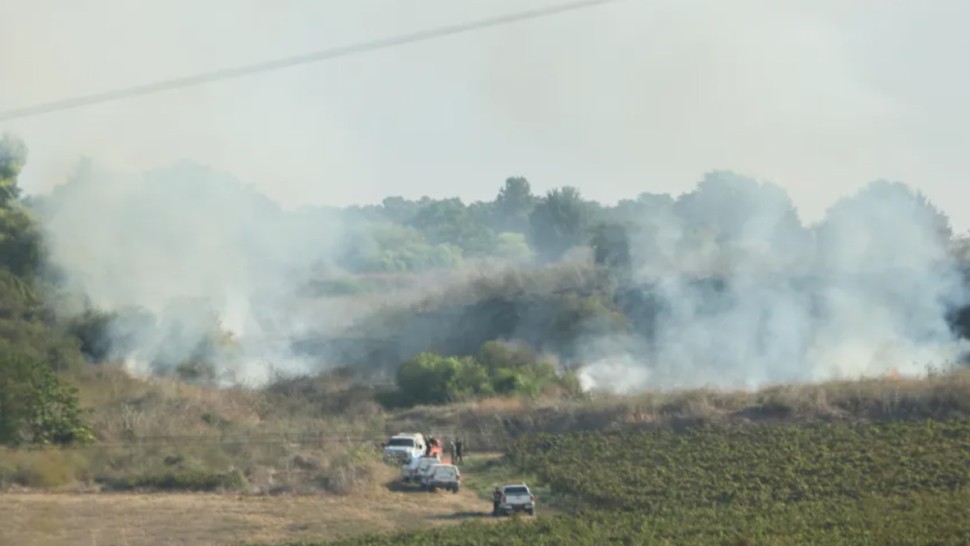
{"x":277,"y":64}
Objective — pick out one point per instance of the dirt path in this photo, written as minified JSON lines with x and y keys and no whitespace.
{"x":105,"y":519}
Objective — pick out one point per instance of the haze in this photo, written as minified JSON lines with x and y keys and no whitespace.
{"x":819,"y":97}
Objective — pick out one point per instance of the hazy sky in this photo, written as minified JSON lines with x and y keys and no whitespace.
{"x":819,"y":97}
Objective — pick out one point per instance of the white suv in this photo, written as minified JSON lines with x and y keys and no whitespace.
{"x":412,"y":470}
{"x":443,"y":476}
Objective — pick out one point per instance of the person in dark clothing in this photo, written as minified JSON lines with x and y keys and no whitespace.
{"x":496,"y":500}
{"x":459,"y":445}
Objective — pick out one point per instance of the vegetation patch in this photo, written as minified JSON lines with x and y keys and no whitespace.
{"x":902,"y":482}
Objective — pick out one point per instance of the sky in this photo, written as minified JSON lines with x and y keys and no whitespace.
{"x":819,"y":97}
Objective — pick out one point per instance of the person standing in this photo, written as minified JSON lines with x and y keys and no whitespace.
{"x":458,"y":446}
{"x":452,"y":450}
{"x":496,"y":500}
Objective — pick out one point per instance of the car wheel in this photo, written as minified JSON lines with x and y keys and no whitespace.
{"x":531,"y":512}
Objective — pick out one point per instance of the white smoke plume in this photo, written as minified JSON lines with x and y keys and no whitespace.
{"x":200,"y":268}
{"x":194,"y":262}
{"x":748,"y":296}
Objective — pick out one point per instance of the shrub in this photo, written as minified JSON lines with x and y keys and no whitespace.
{"x":37,"y":407}
{"x":182,"y":480}
{"x":432,"y":379}
{"x":50,"y":467}
{"x":499,"y":369}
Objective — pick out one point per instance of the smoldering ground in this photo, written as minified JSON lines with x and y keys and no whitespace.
{"x":725,"y":286}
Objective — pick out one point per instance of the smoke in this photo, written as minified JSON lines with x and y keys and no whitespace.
{"x":197,"y":267}
{"x":200,"y":269}
{"x":747,"y":296}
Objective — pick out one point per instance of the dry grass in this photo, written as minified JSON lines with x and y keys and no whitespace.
{"x":298,"y":439}
{"x":204,"y":519}
{"x":491,"y":423}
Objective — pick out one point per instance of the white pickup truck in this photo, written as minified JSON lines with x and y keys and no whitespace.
{"x":403,"y":447}
{"x":515,"y":498}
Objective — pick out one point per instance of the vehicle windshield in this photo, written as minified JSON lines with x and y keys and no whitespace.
{"x":517,"y":490}
{"x":401,"y":442}
{"x":445,"y":471}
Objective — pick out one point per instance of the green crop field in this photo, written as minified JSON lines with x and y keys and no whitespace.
{"x":831,"y":484}
{"x":758,"y":467}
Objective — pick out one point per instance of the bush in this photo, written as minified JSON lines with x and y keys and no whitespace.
{"x":352,"y":471}
{"x":52,"y":467}
{"x":36,"y":407}
{"x":181,"y":480}
{"x":432,"y":379}
{"x":499,"y":369}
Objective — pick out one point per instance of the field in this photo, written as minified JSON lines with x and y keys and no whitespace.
{"x":847,"y":462}
{"x":837,"y":483}
{"x":186,"y":519}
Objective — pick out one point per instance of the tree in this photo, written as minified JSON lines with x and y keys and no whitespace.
{"x":400,"y":210}
{"x":36,"y":407}
{"x":611,"y":247}
{"x":13,"y":156}
{"x":448,"y":222}
{"x":513,"y":205}
{"x":559,"y":222}
{"x":428,"y":378}
{"x":19,"y":236}
{"x":740,"y":211}
{"x":865,"y":231}
{"x":392,"y":248}
{"x":513,"y":246}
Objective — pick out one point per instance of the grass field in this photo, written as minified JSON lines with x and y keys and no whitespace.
{"x":826,"y":484}
{"x":184,"y":519}
{"x":841,"y":462}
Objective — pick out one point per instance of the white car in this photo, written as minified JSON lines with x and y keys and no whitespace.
{"x":443,"y":476}
{"x":412,"y":470}
{"x":515,"y":498}
{"x":404,"y":447}
{"x":424,"y":473}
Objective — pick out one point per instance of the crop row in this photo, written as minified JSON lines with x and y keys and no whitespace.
{"x":939,"y":519}
{"x":826,"y":484}
{"x":757,"y":466}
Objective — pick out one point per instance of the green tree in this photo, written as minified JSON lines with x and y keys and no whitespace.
{"x":513,"y":246}
{"x":559,"y":222}
{"x":516,"y":369}
{"x":448,"y":221}
{"x":513,"y":205}
{"x":13,"y":157}
{"x":611,"y":247}
{"x":36,"y":407}
{"x":428,"y":378}
{"x":400,"y":210}
{"x":20,"y":250}
{"x":646,"y":211}
{"x":740,"y":211}
{"x":390,"y":247}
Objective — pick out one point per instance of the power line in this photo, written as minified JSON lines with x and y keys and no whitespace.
{"x":286,"y":62}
